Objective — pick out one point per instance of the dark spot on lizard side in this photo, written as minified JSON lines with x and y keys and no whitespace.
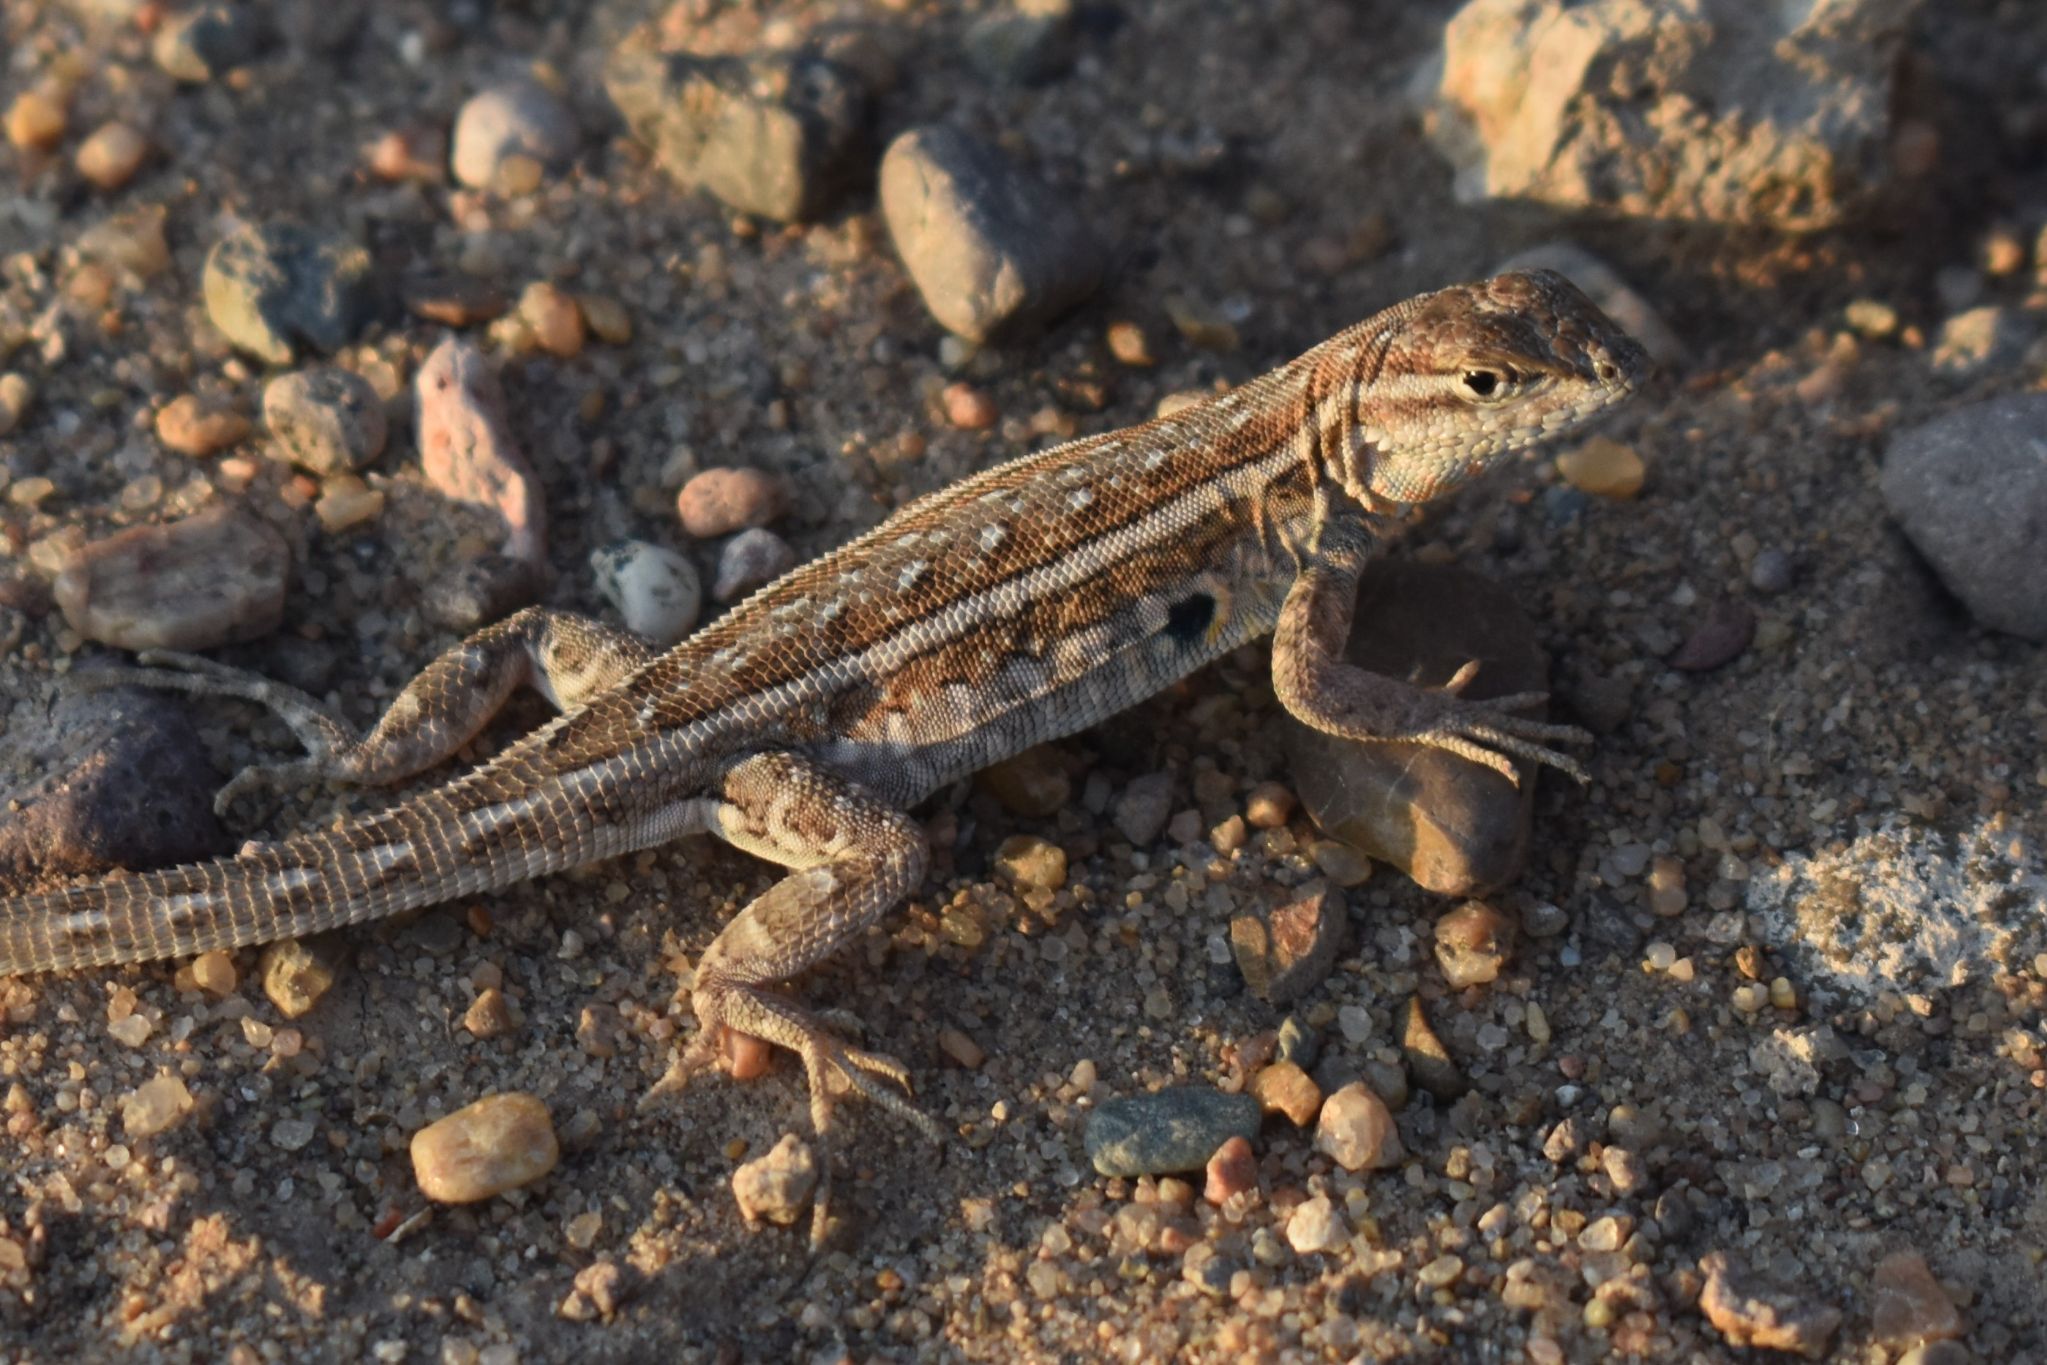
{"x":1188,"y":618}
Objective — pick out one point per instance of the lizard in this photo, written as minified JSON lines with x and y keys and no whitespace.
{"x":1017,"y":606}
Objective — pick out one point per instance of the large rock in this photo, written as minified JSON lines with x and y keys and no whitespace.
{"x":1453,"y":826}
{"x":993,"y":251}
{"x":778,"y":134}
{"x":274,"y":288}
{"x":1721,"y":111}
{"x":1970,"y":489}
{"x":214,"y":578}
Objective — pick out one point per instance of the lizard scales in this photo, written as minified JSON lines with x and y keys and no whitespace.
{"x":1025,"y":603}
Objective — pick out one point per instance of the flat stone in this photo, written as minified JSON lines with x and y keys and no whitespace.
{"x":273,"y":289}
{"x":1031,"y":862}
{"x":217,"y":577}
{"x":777,"y":1187}
{"x":1289,"y":951}
{"x":496,"y":1144}
{"x":1455,"y":827}
{"x":1749,"y":1312}
{"x":467,"y":452}
{"x":1970,"y":489}
{"x":1720,"y":111}
{"x":778,"y":134}
{"x":994,"y":252}
{"x":325,"y":419}
{"x":1909,"y":1306}
{"x":198,"y":427}
{"x":656,"y":591}
{"x":518,"y":118}
{"x":1167,"y":1131}
{"x":129,"y":786}
{"x":1356,"y":1130}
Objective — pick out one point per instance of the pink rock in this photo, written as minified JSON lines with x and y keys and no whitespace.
{"x":1232,"y":1170}
{"x":466,"y":449}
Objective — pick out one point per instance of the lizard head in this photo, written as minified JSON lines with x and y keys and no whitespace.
{"x":1462,"y":378}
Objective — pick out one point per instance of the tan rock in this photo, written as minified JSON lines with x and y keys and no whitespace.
{"x":1748,"y":1312}
{"x":1357,"y":1131}
{"x":214,"y":578}
{"x":496,"y":1144}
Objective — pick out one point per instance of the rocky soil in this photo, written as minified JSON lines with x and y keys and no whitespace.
{"x":330,"y":331}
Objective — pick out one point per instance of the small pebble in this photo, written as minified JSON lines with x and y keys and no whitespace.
{"x":1473,"y":944}
{"x":130,"y":1030}
{"x":961,"y":1048}
{"x":154,"y":1106}
{"x":199,"y":427}
{"x":1604,"y":468}
{"x":489,"y":1015}
{"x":518,"y":119}
{"x":556,"y":321}
{"x":1232,"y":1170}
{"x":409,"y":154}
{"x":1032,"y":784}
{"x":1909,"y":1305}
{"x":1167,"y":1131}
{"x":1427,"y":1059}
{"x":214,"y":973}
{"x":1269,"y":806}
{"x":720,"y":501}
{"x":607,"y":317}
{"x":1283,"y":1088}
{"x":207,"y":42}
{"x":296,"y":973}
{"x":1356,"y":1130}
{"x":1129,"y":344}
{"x":1770,"y":572}
{"x":325,"y":419}
{"x":752,"y":559}
{"x":1291,"y":949}
{"x":111,"y":154}
{"x":496,"y":1144}
{"x":16,"y":393}
{"x":37,"y":118}
{"x":1031,"y":862}
{"x":1724,"y":635}
{"x":655,"y":590}
{"x":1314,"y":1226}
{"x":1140,"y":813}
{"x":969,"y":408}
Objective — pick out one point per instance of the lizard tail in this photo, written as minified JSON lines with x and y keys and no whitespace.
{"x":364,"y":869}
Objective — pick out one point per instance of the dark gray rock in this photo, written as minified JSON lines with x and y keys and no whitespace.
{"x":130,"y":787}
{"x":776,"y":134}
{"x":1167,"y":1131}
{"x":326,"y":420}
{"x":1970,"y":489}
{"x":1453,"y":826}
{"x":1722,"y":637}
{"x":206,"y":43}
{"x":1025,"y":43}
{"x":994,"y":252}
{"x":273,"y":288}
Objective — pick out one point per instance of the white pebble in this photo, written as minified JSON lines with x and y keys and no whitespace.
{"x":656,"y":590}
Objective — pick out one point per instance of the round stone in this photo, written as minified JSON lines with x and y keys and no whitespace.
{"x":496,"y":1144}
{"x":517,"y":119}
{"x":111,"y":154}
{"x":325,"y":419}
{"x":656,"y":591}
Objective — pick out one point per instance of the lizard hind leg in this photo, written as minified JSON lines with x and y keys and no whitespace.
{"x":569,"y":658}
{"x":852,"y":857}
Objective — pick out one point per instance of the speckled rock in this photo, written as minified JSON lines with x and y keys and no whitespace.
{"x":325,"y":419}
{"x":1455,"y":827}
{"x":656,"y":591}
{"x":1167,"y":1131}
{"x":779,"y":134}
{"x":777,"y":1186}
{"x":275,"y":288}
{"x":467,"y":452}
{"x":207,"y":42}
{"x":1970,"y":489}
{"x":496,"y":1144}
{"x":518,"y":118}
{"x":129,"y":786}
{"x":719,"y":501}
{"x":994,"y":252}
{"x":213,"y":578}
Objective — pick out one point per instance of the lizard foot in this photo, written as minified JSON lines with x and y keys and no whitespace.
{"x":1487,"y":730}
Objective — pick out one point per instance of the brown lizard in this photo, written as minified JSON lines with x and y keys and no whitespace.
{"x":1020,"y":605}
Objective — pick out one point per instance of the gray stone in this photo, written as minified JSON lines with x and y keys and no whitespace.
{"x":994,"y":252}
{"x":1721,"y":111}
{"x":1970,"y":489}
{"x":753,"y":558}
{"x":1141,"y":811}
{"x":776,"y":134}
{"x":206,"y":43}
{"x":325,"y":419}
{"x":1772,"y":572}
{"x":1167,"y":1131}
{"x":657,"y":591}
{"x":1025,"y":43}
{"x":1453,"y":826}
{"x":480,"y":591}
{"x":272,"y":288}
{"x":519,"y":118}
{"x":130,"y":786}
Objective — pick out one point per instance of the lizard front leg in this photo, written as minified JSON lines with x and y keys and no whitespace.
{"x":852,"y":857}
{"x":1315,"y":683}
{"x":566,"y":657}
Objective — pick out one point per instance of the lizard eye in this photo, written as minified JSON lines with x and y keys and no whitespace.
{"x":1482,"y":383}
